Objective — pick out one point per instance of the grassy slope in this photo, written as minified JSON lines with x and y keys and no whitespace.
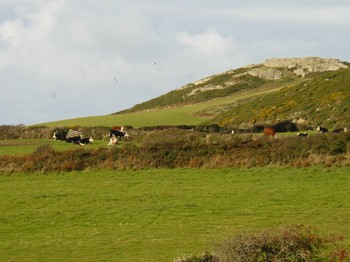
{"x":156,"y":215}
{"x":323,"y":100}
{"x":181,"y":96}
{"x":192,"y":114}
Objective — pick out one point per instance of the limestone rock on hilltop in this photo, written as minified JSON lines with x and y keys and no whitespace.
{"x":266,"y":73}
{"x":306,"y":65}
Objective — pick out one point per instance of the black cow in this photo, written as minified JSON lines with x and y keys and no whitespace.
{"x":60,"y":135}
{"x":340,"y":130}
{"x":85,"y":141}
{"x":114,"y":134}
{"x":117,"y":133}
{"x":322,"y":129}
{"x":78,"y":140}
{"x":74,"y":140}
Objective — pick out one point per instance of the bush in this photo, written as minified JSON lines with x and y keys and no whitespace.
{"x":44,"y":149}
{"x":207,"y":257}
{"x":285,"y":126}
{"x":294,"y":243}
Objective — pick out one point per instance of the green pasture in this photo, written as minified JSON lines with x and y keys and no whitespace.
{"x":157,"y":215}
{"x":28,"y":146}
{"x":172,"y":116}
{"x":179,"y":115}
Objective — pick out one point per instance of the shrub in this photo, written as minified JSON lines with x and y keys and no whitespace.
{"x":207,"y":257}
{"x":294,"y":243}
{"x":285,"y":126}
{"x":44,"y":149}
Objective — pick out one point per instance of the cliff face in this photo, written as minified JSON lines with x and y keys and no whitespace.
{"x":306,"y":65}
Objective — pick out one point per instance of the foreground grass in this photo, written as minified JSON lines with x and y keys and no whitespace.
{"x":156,"y":215}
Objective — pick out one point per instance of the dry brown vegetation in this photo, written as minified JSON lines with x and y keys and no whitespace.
{"x":293,"y":243}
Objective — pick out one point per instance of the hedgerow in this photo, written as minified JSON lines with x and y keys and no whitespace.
{"x":44,"y":132}
{"x":174,"y":148}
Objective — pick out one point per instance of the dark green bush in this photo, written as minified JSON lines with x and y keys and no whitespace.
{"x":285,"y":126}
{"x":207,"y":257}
{"x":44,"y":149}
{"x":293,"y":243}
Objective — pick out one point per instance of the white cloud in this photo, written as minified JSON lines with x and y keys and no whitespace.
{"x":209,"y":43}
{"x":11,"y":32}
{"x":338,"y":15}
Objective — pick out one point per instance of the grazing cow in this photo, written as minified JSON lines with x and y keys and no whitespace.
{"x":114,"y":134}
{"x":321,"y":129}
{"x":303,"y":134}
{"x":269,"y":131}
{"x":74,"y":139}
{"x":85,"y":141}
{"x":59,"y":136}
{"x":117,"y":133}
{"x":78,"y":140}
{"x":73,"y":136}
{"x":113,"y":140}
{"x":340,"y":130}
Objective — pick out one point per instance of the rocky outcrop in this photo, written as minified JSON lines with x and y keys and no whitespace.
{"x":205,"y":89}
{"x":271,"y":69}
{"x":266,"y":73}
{"x":306,"y":65}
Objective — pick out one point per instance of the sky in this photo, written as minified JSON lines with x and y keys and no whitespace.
{"x":62,"y":59}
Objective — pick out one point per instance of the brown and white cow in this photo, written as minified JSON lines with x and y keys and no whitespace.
{"x":269,"y":131}
{"x":119,"y":128}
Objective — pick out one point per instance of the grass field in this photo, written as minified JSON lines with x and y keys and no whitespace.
{"x":182,"y":115}
{"x":156,"y":215}
{"x":28,"y":146}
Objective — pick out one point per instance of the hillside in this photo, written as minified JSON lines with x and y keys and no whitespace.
{"x":220,"y":85}
{"x":308,"y":90}
{"x":323,"y":99}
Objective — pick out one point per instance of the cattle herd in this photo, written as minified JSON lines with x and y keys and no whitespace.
{"x":76,"y":137}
